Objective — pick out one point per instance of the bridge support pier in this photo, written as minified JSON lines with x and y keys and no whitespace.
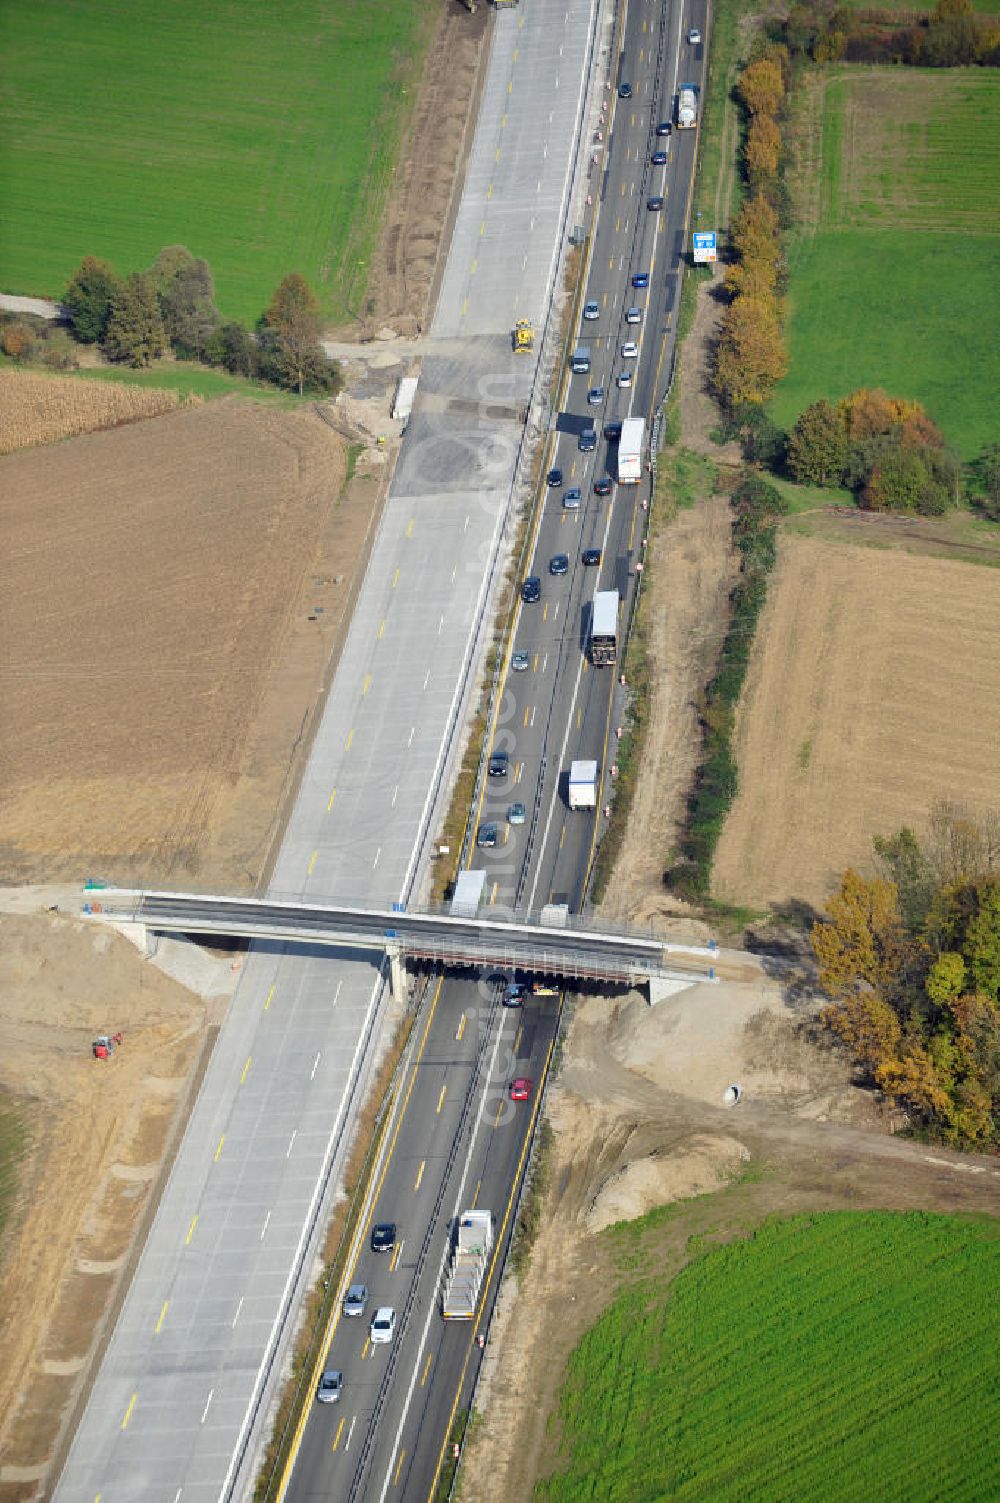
{"x":397,"y":973}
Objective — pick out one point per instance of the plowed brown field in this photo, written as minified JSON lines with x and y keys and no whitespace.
{"x":171,"y":594}
{"x":873,"y":692}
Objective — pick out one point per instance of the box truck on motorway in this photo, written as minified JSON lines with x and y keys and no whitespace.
{"x":470,"y":1258}
{"x":604,"y":629}
{"x":630,"y":451}
{"x":583,"y":785}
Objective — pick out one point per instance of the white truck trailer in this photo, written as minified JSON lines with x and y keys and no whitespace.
{"x":630,"y":447}
{"x":604,"y":629}
{"x":470,"y":1260}
{"x":687,"y":106}
{"x":402,"y":406}
{"x":583,"y":785}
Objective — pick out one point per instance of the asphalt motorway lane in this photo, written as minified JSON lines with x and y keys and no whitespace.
{"x":386,"y":1438}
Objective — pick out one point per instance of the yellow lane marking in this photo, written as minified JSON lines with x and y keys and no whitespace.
{"x":496,"y":155}
{"x":245,"y":1070}
{"x":159,"y":1323}
{"x":440,"y":1104}
{"x":461,"y":1028}
{"x":500,"y":1107}
{"x":579,"y":717}
{"x":489,"y":191}
{"x":324,"y":1345}
{"x":366,"y":682}
{"x":465,"y":306}
{"x":409,"y":528}
{"x":427,"y":1368}
{"x":128,"y":1412}
{"x":474,"y":267}
{"x":503,"y":122}
{"x":329,"y":805}
{"x":482,"y":229}
{"x":394,"y":1260}
{"x":420,"y":1175}
{"x":340,"y":1431}
{"x":350,"y":738}
{"x":366,"y":1348}
{"x":562,"y":837}
{"x":219,"y":1149}
{"x":618,"y":224}
{"x":312,"y":863}
{"x":545,"y":612}
{"x":381,"y":630}
{"x":269,"y":996}
{"x":493,"y":894}
{"x":527,"y":712}
{"x":399,"y":1468}
{"x":517,"y":1041}
{"x":475,"y":1198}
{"x":534,"y":665}
{"x":187,"y":1239}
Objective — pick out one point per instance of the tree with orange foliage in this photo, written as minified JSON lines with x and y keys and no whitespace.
{"x":861,"y":946}
{"x":754,"y":232}
{"x":761,"y":86}
{"x":762,"y":152}
{"x":750,"y":356}
{"x":751,"y":279}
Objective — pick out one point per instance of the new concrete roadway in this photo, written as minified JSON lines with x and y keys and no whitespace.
{"x":176,"y":1410}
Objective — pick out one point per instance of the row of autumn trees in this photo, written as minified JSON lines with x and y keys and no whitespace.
{"x":136,"y":319}
{"x":952,"y":34}
{"x":911,"y":959}
{"x":750,"y":355}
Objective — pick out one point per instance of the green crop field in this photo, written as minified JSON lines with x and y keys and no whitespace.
{"x":828,"y":1358}
{"x":261,"y":136}
{"x":13,"y":1146}
{"x":896,"y":284}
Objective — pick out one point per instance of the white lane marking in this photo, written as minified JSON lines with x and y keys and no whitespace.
{"x":377,"y":855}
{"x":177,"y":1494}
{"x":208,"y":1401}
{"x":312,"y":1073}
{"x":239,"y":1307}
{"x":555,"y":613}
{"x":427,"y":678}
{"x":395,"y":791}
{"x":350,"y":1432}
{"x":440,"y":626}
{"x":413,"y":732}
{"x":337,"y":992}
{"x":464,"y":529}
{"x":291,"y":1143}
{"x":263,"y":1229}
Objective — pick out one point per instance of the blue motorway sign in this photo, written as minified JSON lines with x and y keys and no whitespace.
{"x":704,"y":246}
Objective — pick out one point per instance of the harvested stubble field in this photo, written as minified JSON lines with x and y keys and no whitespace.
{"x":873,"y":693}
{"x":163,"y":650}
{"x":895,"y":267}
{"x":38,"y":409}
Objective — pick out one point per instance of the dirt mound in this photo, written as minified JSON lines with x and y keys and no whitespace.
{"x":702,"y":1164}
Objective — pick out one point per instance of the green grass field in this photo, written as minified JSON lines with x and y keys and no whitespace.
{"x":897,"y":284}
{"x":13,"y":1146}
{"x":263,"y":137}
{"x":836,"y":1357}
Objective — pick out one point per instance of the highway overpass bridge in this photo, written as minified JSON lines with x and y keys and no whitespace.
{"x":551,"y":943}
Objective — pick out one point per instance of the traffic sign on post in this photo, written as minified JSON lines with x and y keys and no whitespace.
{"x":704,"y":247}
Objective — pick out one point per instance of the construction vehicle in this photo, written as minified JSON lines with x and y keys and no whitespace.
{"x":524,"y":337}
{"x":105,"y":1044}
{"x":470,"y":1258}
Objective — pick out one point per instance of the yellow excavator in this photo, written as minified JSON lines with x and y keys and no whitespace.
{"x":523,"y":337}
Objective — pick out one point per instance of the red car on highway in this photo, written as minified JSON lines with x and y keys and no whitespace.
{"x":520,"y":1089}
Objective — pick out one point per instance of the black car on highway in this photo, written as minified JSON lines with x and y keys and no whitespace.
{"x":602,"y":487}
{"x":383,"y":1236}
{"x":612,"y":432}
{"x":559,"y":563}
{"x":531,"y":590}
{"x":498,"y":764}
{"x":554,"y":478}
